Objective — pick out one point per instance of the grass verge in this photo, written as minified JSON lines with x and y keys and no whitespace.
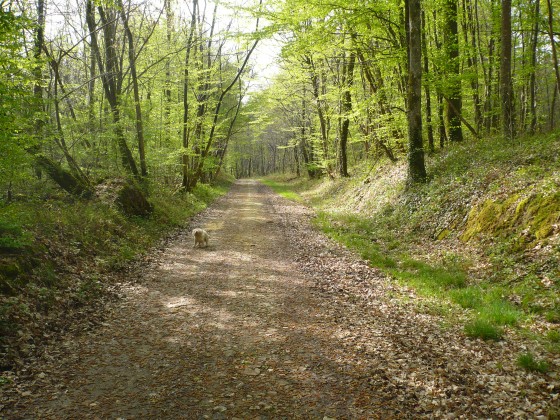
{"x":282,"y":189}
{"x":483,"y":233}
{"x":446,"y":280}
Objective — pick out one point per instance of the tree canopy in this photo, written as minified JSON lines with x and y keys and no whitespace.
{"x":166,"y":91}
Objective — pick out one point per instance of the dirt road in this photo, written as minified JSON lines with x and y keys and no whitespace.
{"x":271,"y":321}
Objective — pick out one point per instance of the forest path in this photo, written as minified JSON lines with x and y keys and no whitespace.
{"x":273,"y":320}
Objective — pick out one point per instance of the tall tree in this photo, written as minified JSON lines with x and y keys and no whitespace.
{"x":111,"y":74}
{"x":416,"y":165}
{"x":554,"y":60}
{"x":453,"y":84}
{"x":533,"y":77}
{"x":470,"y":42}
{"x":39,"y":42}
{"x":347,"y":82}
{"x":506,"y":87}
{"x":198,"y":170}
{"x":135,"y":89}
{"x":186,"y":87}
{"x":427,"y":85}
{"x":167,"y":88}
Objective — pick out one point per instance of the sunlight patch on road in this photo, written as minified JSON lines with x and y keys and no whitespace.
{"x":214,"y":225}
{"x":181,"y":301}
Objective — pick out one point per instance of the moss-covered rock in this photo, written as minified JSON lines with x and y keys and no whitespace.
{"x":537,"y":215}
{"x":544,"y":214}
{"x":443,"y":234}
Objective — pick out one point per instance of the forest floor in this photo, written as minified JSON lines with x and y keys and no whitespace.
{"x":272,"y":320}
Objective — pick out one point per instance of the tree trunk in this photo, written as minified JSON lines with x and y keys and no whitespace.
{"x":296,"y":159}
{"x":65,"y":179}
{"x":186,"y":80}
{"x":315,"y":83}
{"x":489,"y":72}
{"x":111,"y":78}
{"x":134,"y":76}
{"x":222,"y":153}
{"x":416,"y":167}
{"x":37,"y":49}
{"x":554,"y":58}
{"x":91,"y":90}
{"x":167,"y":89}
{"x":441,"y":121}
{"x":347,"y":82}
{"x":39,"y":42}
{"x":469,"y":23}
{"x":427,"y":92}
{"x":506,"y":93}
{"x":204,"y":154}
{"x":308,"y":155}
{"x":442,"y":135}
{"x":532,"y":77}
{"x":72,"y":164}
{"x":453,"y":91}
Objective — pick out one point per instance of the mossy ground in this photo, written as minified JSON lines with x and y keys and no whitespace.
{"x":56,"y":254}
{"x":483,"y":233}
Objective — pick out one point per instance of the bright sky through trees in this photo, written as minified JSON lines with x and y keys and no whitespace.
{"x":234,"y":18}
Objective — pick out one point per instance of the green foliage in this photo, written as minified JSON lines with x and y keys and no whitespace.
{"x":12,"y":236}
{"x":500,"y":312}
{"x":553,"y":316}
{"x":15,"y":96}
{"x":528,"y":362}
{"x":553,"y":336}
{"x":469,"y":297}
{"x":480,"y":328}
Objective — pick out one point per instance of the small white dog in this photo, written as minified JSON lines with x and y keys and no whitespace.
{"x":201,"y":237}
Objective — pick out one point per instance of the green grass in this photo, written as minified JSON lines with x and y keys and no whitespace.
{"x":480,"y":328}
{"x":500,"y":312}
{"x":528,"y":362}
{"x":552,"y":344}
{"x":553,"y":336}
{"x":553,"y":316}
{"x":416,"y":235}
{"x":446,"y":281}
{"x":12,"y":236}
{"x":471,"y":297}
{"x":283,"y":190}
